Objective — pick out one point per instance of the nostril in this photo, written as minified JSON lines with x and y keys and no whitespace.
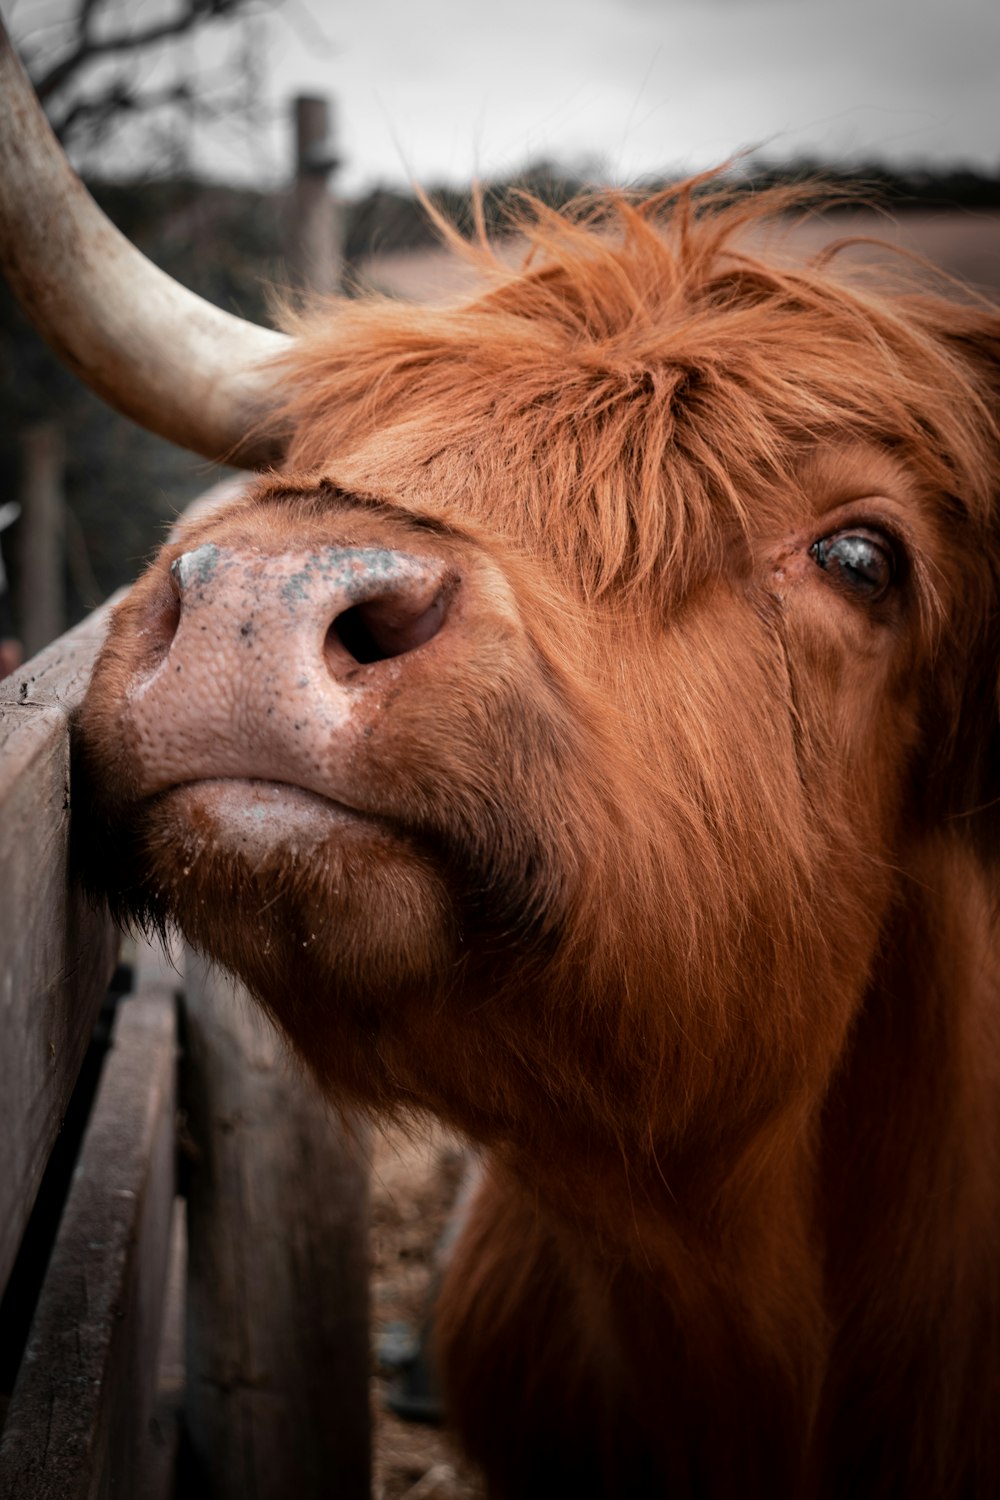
{"x":163,"y":620}
{"x":379,"y":629}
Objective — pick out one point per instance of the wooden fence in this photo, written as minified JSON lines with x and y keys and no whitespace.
{"x":182,"y":1224}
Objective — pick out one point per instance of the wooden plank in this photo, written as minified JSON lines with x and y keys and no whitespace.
{"x":85,"y":1387}
{"x":157,"y":966}
{"x":41,"y":535}
{"x":56,"y":951}
{"x":161,"y":1437}
{"x":277,"y":1312}
{"x":58,"y":676}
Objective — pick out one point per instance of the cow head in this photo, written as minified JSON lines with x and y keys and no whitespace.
{"x":551,"y":741}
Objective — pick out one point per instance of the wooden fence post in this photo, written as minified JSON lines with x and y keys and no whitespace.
{"x":315,"y":252}
{"x":42,"y":612}
{"x":56,"y":951}
{"x":76,"y":1425}
{"x":277,"y":1304}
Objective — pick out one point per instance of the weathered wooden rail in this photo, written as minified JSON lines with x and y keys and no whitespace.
{"x":183,"y":1250}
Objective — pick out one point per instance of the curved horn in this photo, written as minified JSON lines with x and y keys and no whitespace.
{"x":151,"y":348}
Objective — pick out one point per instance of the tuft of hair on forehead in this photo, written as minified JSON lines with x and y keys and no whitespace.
{"x":627,"y":397}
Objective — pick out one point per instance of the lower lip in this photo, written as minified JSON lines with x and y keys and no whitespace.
{"x":264,"y":815}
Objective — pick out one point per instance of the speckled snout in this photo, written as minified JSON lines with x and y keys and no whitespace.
{"x":270,"y":662}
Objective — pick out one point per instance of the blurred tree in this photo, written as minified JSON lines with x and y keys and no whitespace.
{"x":123,"y":486}
{"x":93,"y":62}
{"x":171,"y":65}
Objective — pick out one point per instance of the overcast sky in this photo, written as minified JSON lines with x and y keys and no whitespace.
{"x":442,"y":90}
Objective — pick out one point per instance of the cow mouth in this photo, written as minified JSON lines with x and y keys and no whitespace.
{"x":253,"y":814}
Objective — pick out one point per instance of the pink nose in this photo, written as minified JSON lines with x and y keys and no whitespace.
{"x":371,"y":603}
{"x":269,"y":660}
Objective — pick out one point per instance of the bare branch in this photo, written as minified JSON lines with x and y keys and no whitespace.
{"x":87,"y":9}
{"x":85,"y":70}
{"x":95,"y":114}
{"x":88,"y":47}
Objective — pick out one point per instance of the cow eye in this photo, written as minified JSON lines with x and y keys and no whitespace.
{"x":861,"y":561}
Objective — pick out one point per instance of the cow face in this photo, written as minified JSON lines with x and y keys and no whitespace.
{"x":544,"y":743}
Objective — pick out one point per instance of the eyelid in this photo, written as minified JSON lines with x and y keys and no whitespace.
{"x":872,"y":513}
{"x":877,"y":536}
{"x":877,"y":544}
{"x":852,"y":519}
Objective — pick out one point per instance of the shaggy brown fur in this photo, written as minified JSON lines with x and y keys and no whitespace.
{"x":681,"y":898}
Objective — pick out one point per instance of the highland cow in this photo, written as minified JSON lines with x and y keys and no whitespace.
{"x":588,"y":736}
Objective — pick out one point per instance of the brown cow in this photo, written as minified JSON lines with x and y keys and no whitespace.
{"x":590,"y":737}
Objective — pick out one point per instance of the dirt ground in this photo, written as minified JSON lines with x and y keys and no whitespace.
{"x":413,"y":1185}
